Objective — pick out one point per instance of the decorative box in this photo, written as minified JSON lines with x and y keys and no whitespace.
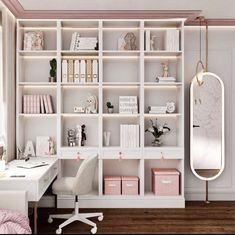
{"x":130,"y":185}
{"x":112,"y":185}
{"x":165,"y":182}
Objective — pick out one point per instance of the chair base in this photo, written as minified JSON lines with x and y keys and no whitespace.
{"x":76,"y":216}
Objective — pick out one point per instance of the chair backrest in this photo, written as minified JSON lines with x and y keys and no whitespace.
{"x":85,"y":175}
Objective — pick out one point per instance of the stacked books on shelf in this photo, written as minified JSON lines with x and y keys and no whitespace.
{"x":165,"y":79}
{"x":80,"y":71}
{"x":172,"y":40}
{"x":33,"y":41}
{"x":82,"y":43}
{"x":157,"y":109}
{"x":36,"y":104}
{"x":128,"y":105}
{"x":129,"y":136}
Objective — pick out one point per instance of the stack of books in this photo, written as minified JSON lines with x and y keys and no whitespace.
{"x":82,"y":43}
{"x":36,"y":104}
{"x":128,"y":105}
{"x":80,"y":71}
{"x":165,"y":79}
{"x":129,"y":136}
{"x":172,"y":40}
{"x":157,"y":109}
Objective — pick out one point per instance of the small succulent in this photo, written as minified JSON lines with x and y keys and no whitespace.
{"x":53,"y":64}
{"x":109,"y":105}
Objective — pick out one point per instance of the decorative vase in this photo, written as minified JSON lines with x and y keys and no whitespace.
{"x":52,"y":79}
{"x":110,"y":110}
{"x":157,"y":142}
{"x":107,"y":135}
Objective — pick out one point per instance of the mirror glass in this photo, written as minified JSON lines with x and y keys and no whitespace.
{"x":207,"y":126}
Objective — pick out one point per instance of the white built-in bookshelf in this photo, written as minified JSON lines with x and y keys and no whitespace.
{"x":121,"y":73}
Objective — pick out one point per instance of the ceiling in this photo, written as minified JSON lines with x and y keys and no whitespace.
{"x":210,"y":8}
{"x":219,"y":12}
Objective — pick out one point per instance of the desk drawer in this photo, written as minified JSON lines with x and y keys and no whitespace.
{"x":73,"y":153}
{"x":119,"y":153}
{"x":165,"y":154}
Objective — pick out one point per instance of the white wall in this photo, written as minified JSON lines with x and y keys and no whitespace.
{"x":221,"y":62}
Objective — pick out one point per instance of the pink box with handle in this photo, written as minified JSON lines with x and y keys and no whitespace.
{"x":165,"y":182}
{"x":112,"y":185}
{"x":130,"y":185}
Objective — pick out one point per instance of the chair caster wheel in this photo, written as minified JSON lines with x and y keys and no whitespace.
{"x":94,"y":230}
{"x":58,"y":231}
{"x":50,"y":220}
{"x":100,"y":218}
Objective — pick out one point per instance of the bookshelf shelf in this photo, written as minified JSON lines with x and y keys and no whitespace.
{"x":120,"y":73}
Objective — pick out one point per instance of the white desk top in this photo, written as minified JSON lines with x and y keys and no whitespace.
{"x":30,"y":174}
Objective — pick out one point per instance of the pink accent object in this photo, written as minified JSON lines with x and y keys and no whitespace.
{"x":13,"y":223}
{"x":165,"y":182}
{"x":130,"y":185}
{"x":112,"y":185}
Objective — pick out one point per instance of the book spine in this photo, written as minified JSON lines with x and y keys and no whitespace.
{"x":76,"y":71}
{"x":45,"y":103}
{"x":95,"y":72}
{"x":49,"y":103}
{"x":82,"y":71}
{"x":64,"y":71}
{"x":31,"y":104}
{"x":88,"y":71}
{"x":147,"y":40}
{"x":41,"y":104}
{"x":70,"y":71}
{"x":72,"y":44}
{"x":38,"y":104}
{"x":24,"y":104}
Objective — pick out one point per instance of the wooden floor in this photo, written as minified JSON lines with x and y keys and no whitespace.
{"x":197,"y":217}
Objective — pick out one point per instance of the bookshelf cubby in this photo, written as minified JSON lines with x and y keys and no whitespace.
{"x":121,"y":73}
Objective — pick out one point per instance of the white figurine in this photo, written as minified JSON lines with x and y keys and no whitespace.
{"x":165,"y":68}
{"x":79,"y":135}
{"x":92,"y":106}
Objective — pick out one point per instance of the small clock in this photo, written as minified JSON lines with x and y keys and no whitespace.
{"x":170,"y":107}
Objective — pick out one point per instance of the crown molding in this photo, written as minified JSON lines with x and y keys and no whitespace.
{"x":212,"y":22}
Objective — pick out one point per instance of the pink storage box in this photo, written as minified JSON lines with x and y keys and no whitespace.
{"x":165,"y":182}
{"x":130,"y":185}
{"x":112,"y":185}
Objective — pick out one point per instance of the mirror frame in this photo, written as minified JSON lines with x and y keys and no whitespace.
{"x":191,"y":128}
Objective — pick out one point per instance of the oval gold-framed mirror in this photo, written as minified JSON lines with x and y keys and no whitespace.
{"x":207,"y":158}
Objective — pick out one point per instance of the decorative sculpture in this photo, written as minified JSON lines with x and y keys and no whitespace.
{"x":165,"y":68}
{"x":79,"y":135}
{"x":130,"y":40}
{"x":71,"y":137}
{"x":92,"y":106}
{"x":83,"y":135}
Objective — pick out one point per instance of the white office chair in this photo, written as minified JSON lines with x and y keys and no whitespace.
{"x":79,"y":185}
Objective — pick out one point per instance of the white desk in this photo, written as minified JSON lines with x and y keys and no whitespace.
{"x":35,"y":182}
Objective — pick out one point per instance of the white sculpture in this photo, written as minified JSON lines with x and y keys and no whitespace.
{"x":29,"y":149}
{"x":92,"y":106}
{"x":79,"y":135}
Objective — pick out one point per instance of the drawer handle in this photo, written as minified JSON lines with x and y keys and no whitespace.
{"x":166,"y":181}
{"x":112,"y":185}
{"x":129,"y":185}
{"x":120,"y":156}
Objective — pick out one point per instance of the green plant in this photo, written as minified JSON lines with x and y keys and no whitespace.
{"x":109,"y":105}
{"x":53,"y":64}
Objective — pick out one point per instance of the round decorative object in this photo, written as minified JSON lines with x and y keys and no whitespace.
{"x":50,"y":220}
{"x":58,"y":231}
{"x":170,"y":107}
{"x":94,"y":230}
{"x":100,"y":218}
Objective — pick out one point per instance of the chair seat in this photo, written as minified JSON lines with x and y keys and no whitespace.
{"x":63,"y":186}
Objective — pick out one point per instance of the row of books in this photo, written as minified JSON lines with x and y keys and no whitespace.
{"x":80,"y":71}
{"x":171,"y":40}
{"x":157,"y":109}
{"x":129,"y":136}
{"x":82,"y":43}
{"x":36,"y":104}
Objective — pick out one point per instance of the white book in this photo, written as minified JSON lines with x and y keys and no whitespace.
{"x":45,"y":103}
{"x":42,"y":104}
{"x":76,"y":71}
{"x":49,"y":103}
{"x":38,"y":104}
{"x":64,"y":71}
{"x":95,"y":72}
{"x":72,"y":43}
{"x":147,"y":40}
{"x":83,"y":71}
{"x":138,"y":136}
{"x":24,"y":104}
{"x":28,"y":103}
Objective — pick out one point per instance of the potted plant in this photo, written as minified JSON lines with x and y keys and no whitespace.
{"x":109,"y":107}
{"x":53,"y":64}
{"x":157,"y":131}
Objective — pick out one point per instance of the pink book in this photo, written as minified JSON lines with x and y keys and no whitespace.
{"x":38,"y":104}
{"x":24,"y":104}
{"x":42,"y":108}
{"x":45,"y":103}
{"x":49,"y":102}
{"x":34,"y":103}
{"x":31,"y":104}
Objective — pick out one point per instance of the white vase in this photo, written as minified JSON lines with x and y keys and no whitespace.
{"x":107,"y":135}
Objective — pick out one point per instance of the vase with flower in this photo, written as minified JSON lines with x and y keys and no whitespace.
{"x":157,"y":131}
